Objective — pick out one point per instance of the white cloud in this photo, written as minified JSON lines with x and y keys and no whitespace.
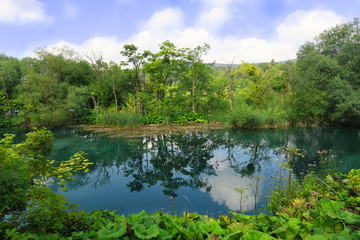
{"x":302,"y":26}
{"x":297,"y":28}
{"x":214,"y":18}
{"x":215,"y":14}
{"x":222,"y":191}
{"x":21,"y":11}
{"x":108,"y":47}
{"x":170,"y":18}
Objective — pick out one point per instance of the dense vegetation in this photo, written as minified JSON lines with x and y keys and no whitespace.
{"x":321,"y":205}
{"x":175,"y":85}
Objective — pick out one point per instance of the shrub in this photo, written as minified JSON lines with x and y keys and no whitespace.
{"x":121,"y":119}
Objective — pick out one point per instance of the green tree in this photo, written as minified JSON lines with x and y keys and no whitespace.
{"x":10,"y":77}
{"x":137,"y":60}
{"x":198,"y":73}
{"x":259,"y":83}
{"x":327,"y":79}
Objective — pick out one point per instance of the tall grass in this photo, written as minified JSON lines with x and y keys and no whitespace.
{"x":121,"y":119}
{"x":248,"y":117}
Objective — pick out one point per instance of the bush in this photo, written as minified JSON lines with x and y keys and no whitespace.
{"x":245,"y":116}
{"x":25,"y":200}
{"x":121,"y":119}
{"x":51,"y":118}
{"x":175,"y":118}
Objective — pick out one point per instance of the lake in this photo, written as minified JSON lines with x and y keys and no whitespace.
{"x":199,"y":170}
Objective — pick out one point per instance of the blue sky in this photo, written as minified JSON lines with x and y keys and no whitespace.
{"x":243,"y":30}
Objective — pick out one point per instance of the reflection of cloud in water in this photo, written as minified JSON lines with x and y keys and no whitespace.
{"x":222,"y":190}
{"x":218,"y":160}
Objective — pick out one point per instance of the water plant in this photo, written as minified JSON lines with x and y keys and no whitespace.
{"x":172,"y":205}
{"x":242,"y":201}
{"x":255,"y":185}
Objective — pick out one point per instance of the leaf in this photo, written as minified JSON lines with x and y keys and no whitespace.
{"x":351,"y":218}
{"x":112,"y":231}
{"x":253,"y":234}
{"x":63,"y":189}
{"x":146,"y":233}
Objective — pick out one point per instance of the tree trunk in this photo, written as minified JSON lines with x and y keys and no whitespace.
{"x":229,"y":85}
{"x":95,"y":105}
{"x":115,"y":98}
{"x":134,"y":99}
{"x":193,"y":95}
{"x":229,"y":93}
{"x":7,"y":97}
{"x":156,"y":101}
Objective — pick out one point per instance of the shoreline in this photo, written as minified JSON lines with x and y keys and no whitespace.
{"x":151,"y":129}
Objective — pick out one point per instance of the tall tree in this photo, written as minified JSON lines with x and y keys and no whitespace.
{"x":197,"y":70}
{"x":259,"y":83}
{"x":330,"y":65}
{"x":137,"y":61}
{"x":96,"y":61}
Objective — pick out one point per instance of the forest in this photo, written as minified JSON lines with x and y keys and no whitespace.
{"x":321,"y":87}
{"x":174,"y":85}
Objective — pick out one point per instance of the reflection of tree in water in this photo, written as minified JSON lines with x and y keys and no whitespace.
{"x":103,"y":152}
{"x":246,"y":151}
{"x":174,"y":161}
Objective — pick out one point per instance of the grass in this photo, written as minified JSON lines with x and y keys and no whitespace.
{"x":121,"y":119}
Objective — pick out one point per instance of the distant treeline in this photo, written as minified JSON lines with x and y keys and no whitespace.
{"x":174,"y":85}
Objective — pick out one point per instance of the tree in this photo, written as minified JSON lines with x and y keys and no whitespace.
{"x":137,"y":61}
{"x":197,"y":70}
{"x":329,"y":68}
{"x":259,"y":83}
{"x":161,"y":68}
{"x":100,"y":67}
{"x":10,"y":77}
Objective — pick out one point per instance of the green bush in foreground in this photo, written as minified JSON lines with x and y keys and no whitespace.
{"x":321,"y":207}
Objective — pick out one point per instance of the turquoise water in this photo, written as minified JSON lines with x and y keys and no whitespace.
{"x":200,"y":170}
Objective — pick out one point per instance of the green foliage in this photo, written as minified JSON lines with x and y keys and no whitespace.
{"x":26,"y":202}
{"x":59,"y":88}
{"x":121,"y":119}
{"x":247,"y":116}
{"x":175,"y":118}
{"x":325,"y":84}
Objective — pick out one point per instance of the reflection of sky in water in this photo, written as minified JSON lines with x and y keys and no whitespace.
{"x":201,"y":170}
{"x":226,"y":180}
{"x":222,"y":190}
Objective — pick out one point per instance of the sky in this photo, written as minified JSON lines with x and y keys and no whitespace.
{"x":236,"y":30}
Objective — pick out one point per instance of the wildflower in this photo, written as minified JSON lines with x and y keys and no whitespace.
{"x":314,"y":193}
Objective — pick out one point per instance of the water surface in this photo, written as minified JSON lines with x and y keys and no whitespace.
{"x":200,"y":170}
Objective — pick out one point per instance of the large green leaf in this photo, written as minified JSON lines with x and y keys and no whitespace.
{"x":146,"y":233}
{"x":256,"y":235}
{"x":112,"y":231}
